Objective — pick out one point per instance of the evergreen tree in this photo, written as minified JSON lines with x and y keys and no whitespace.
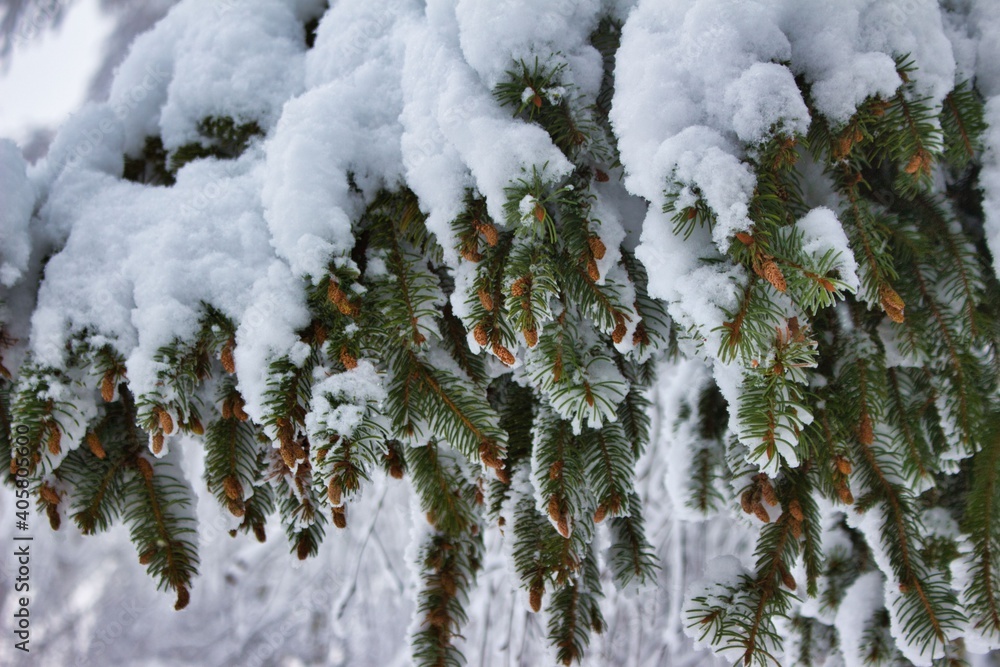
{"x":316,"y":315}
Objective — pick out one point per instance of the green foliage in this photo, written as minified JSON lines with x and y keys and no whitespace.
{"x":507,"y":379}
{"x":222,"y":137}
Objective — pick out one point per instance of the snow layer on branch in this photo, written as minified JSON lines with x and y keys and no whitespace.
{"x":870,"y":524}
{"x":346,"y":124}
{"x":822,"y":233}
{"x":15,"y":214}
{"x":494,"y":35}
{"x":698,"y":293}
{"x":267,"y":331}
{"x":450,"y":113}
{"x":678,"y":393}
{"x":854,"y":616}
{"x":340,"y":400}
{"x":713,"y":64}
{"x":243,"y":60}
{"x":138,"y":260}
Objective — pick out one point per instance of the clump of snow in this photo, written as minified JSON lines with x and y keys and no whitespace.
{"x":340,"y":401}
{"x":243,"y":63}
{"x":822,"y":233}
{"x":763,"y":99}
{"x":494,"y":35}
{"x":855,"y":616}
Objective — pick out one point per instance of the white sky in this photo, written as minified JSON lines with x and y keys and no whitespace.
{"x":48,"y":74}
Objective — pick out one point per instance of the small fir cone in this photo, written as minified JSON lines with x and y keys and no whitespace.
{"x":842,"y":464}
{"x":145,"y":468}
{"x":227,"y":409}
{"x":438,"y":618}
{"x":392,"y":458}
{"x":554,"y":509}
{"x":349,"y":361}
{"x":448,"y":583}
{"x":183,"y":598}
{"x":760,"y":512}
{"x":238,"y":411}
{"x":236,"y":508}
{"x":600,"y":513}
{"x":597,"y":247}
{"x":600,"y":176}
{"x":555,"y":470}
{"x":298,"y":451}
{"x":259,"y":532}
{"x":746,"y":501}
{"x":489,"y":233}
{"x":618,"y":335}
{"x":95,"y":446}
{"x":471,"y":254}
{"x":773,"y":275}
{"x":503,"y":475}
{"x":232,"y":487}
{"x":767,"y":491}
{"x":530,"y":337}
{"x":844,"y":145}
{"x":146,"y":557}
{"x":48,"y":494}
{"x":302,"y":546}
{"x":787,"y":579}
{"x":52,"y":512}
{"x":866,"y":433}
{"x":562,"y":525}
{"x":335,"y":492}
{"x":640,"y":336}
{"x":535,"y":597}
{"x":489,"y":454}
{"x":892,"y":304}
{"x":919,"y":164}
{"x":226,"y":357}
{"x":520,"y":286}
{"x":108,"y":386}
{"x":479,"y":333}
{"x":486,"y":300}
{"x":287,"y":456}
{"x":196,"y":427}
{"x":539,"y":209}
{"x":503,"y":354}
{"x":592,"y":271}
{"x":157,"y":444}
{"x":335,"y":294}
{"x":166,"y":421}
{"x":320,"y":333}
{"x":55,"y":439}
{"x":795,"y":527}
{"x":845,"y":494}
{"x":340,"y":518}
{"x":795,"y":509}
